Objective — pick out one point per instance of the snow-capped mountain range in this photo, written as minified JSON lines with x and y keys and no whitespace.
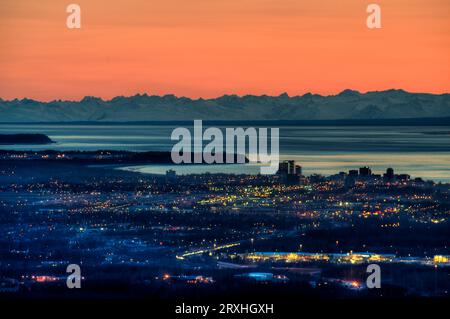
{"x":349,"y":104}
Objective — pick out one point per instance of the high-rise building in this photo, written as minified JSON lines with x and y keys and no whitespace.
{"x":290,"y":172}
{"x":365,"y":171}
{"x":389,"y":173}
{"x":291,"y":167}
{"x":298,"y":170}
{"x":288,"y":167}
{"x":353,"y":173}
{"x":283,"y":168}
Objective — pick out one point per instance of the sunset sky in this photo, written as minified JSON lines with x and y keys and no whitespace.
{"x":206,"y":48}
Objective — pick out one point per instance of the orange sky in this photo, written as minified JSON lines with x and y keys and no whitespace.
{"x":206,"y":48}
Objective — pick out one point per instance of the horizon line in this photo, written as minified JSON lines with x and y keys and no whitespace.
{"x":217,"y":97}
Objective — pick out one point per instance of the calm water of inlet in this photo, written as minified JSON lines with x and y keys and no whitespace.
{"x":415,"y":150}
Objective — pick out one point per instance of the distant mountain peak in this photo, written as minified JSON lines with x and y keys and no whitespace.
{"x":349,"y":92}
{"x":88,"y":99}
